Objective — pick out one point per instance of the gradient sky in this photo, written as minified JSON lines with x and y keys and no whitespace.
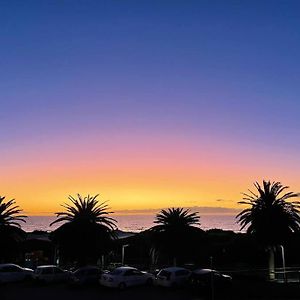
{"x":149,"y":103}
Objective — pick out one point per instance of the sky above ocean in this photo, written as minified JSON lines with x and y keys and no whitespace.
{"x":149,"y":103}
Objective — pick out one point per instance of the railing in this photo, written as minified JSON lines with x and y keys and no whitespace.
{"x":287,"y":275}
{"x":280,"y":275}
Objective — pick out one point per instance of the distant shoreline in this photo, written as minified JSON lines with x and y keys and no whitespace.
{"x":137,"y":222}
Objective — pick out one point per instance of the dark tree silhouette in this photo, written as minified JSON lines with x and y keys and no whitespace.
{"x":270,"y":217}
{"x":174,"y":232}
{"x":87,"y":231}
{"x":11,"y":235}
{"x":10,"y":213}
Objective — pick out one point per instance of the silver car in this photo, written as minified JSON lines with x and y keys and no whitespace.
{"x":51,"y":273}
{"x":14,"y":273}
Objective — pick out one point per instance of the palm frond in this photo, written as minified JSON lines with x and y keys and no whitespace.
{"x":10,"y":213}
{"x":175,"y":217}
{"x":269,"y":214}
{"x":86,"y":209}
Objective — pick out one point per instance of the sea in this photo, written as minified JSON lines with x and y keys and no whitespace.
{"x":137,"y":222}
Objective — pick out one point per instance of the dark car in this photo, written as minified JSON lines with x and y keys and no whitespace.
{"x":86,"y":275}
{"x":204,"y":279}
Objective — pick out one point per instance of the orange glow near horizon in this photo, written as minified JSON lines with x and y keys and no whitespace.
{"x":151,"y":175}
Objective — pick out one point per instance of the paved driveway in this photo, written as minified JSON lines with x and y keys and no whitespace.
{"x":29,"y":291}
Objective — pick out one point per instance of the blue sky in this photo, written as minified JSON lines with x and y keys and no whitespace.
{"x":224,"y":73}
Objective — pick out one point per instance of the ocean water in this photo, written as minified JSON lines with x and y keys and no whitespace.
{"x":136,"y":223}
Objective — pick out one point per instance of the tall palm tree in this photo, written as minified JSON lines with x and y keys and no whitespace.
{"x":174,"y":230}
{"x":87,"y":230}
{"x":10,"y":232}
{"x":270,"y":217}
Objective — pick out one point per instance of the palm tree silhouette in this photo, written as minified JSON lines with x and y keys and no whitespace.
{"x":270,"y":217}
{"x":174,"y":229}
{"x":10,"y":232}
{"x":87,"y":230}
{"x":10,"y":213}
{"x":175,"y":217}
{"x":87,"y":209}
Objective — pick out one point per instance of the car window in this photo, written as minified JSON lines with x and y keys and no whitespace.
{"x":11,"y":269}
{"x":129,"y":273}
{"x":137,"y":272}
{"x":58,"y":271}
{"x":181,"y":273}
{"x":115,"y":272}
{"x":46,"y":271}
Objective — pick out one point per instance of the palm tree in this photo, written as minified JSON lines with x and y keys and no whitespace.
{"x":270,"y":217}
{"x":10,"y":232}
{"x":9,"y":213}
{"x":87,"y":230}
{"x":174,"y":230}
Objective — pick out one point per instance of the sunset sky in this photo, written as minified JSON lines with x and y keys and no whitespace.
{"x":148,"y":103}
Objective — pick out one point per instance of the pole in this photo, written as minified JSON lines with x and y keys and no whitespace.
{"x":123,"y":253}
{"x":283,"y":263}
{"x":212,"y":279}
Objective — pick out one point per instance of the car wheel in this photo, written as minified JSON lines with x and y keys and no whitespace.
{"x":122,"y":286}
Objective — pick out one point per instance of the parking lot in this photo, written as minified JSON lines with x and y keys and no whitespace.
{"x":241,"y":289}
{"x":60,"y":292}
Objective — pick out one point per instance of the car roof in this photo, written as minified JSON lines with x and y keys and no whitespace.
{"x":203,"y":271}
{"x":123,"y":268}
{"x":46,"y":266}
{"x":174,"y":269}
{"x":8,"y":265}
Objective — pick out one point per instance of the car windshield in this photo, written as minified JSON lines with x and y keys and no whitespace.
{"x":115,"y":272}
{"x":164,"y":273}
{"x":79,"y":272}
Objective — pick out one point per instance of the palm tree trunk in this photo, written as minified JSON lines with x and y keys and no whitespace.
{"x":271,"y":263}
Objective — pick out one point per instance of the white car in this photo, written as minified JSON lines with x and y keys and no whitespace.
{"x":14,"y":273}
{"x":172,"y":277}
{"x":123,"y":277}
{"x":50,"y":273}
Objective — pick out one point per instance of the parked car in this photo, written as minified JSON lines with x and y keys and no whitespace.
{"x":172,"y":277}
{"x":86,"y":275}
{"x":123,"y":277}
{"x":50,"y":273}
{"x":14,"y":273}
{"x":202,"y":279}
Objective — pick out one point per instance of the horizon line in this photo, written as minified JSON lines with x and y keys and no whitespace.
{"x":205,"y":210}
